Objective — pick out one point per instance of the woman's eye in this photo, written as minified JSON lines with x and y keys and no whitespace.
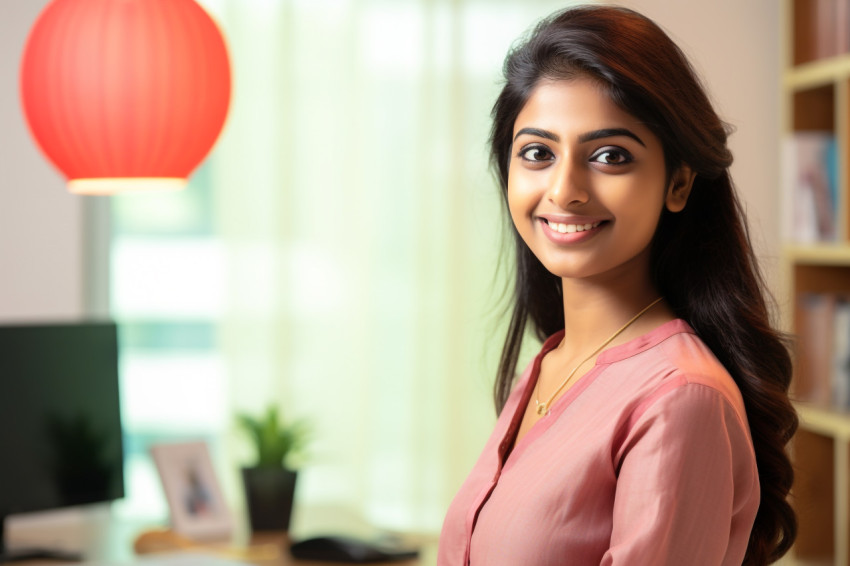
{"x":612,"y":157}
{"x":536,"y":154}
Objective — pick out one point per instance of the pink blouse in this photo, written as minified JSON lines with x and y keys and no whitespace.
{"x":647,"y":459}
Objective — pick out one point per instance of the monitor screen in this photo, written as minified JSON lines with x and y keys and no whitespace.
{"x":60,"y":424}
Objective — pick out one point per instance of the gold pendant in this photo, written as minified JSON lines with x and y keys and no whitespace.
{"x":542,"y":410}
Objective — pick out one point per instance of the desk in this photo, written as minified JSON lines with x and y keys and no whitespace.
{"x":104,"y":540}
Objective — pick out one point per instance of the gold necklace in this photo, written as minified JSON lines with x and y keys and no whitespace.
{"x":543,"y":408}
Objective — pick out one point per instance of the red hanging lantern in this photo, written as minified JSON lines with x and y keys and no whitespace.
{"x":123,"y":94}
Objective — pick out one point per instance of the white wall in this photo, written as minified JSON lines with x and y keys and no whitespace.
{"x":41,"y":252}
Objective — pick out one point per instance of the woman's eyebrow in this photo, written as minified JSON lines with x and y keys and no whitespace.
{"x":583,"y":138}
{"x":539,"y":133}
{"x":609,"y":133}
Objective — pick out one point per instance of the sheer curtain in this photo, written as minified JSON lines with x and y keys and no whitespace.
{"x":351,"y":261}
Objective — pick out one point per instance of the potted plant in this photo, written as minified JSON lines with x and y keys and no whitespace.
{"x":270,"y":482}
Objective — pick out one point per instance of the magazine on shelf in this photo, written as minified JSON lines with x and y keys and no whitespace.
{"x":810,"y":187}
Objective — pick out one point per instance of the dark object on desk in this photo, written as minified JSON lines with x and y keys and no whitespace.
{"x":348,"y":549}
{"x":269,"y":493}
{"x":38,"y":554}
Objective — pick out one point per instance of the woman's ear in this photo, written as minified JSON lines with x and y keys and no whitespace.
{"x":679,"y":190}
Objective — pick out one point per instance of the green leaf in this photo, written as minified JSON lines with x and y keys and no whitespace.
{"x":275,"y":441}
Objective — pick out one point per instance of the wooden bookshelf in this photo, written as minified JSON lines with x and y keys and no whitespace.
{"x":816,"y":97}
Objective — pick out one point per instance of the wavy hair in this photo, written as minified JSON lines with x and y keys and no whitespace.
{"x":702,"y":260}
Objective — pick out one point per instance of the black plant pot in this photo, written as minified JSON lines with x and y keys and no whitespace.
{"x":269,"y":494}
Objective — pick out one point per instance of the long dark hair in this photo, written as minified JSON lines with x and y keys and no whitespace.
{"x":702,"y":259}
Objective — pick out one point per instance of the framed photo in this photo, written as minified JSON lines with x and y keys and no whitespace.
{"x":195,"y":501}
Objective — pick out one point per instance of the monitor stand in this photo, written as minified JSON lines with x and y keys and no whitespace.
{"x":18,"y":554}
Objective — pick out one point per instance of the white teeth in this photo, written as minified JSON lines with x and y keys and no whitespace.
{"x":570,"y":228}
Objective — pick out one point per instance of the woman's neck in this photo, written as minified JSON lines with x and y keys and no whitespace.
{"x":593,"y":313}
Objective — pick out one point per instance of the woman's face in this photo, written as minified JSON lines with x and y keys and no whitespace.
{"x":587,"y":183}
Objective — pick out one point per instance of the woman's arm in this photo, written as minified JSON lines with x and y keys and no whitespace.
{"x":687,"y":488}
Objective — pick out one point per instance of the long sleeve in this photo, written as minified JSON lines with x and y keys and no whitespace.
{"x":687,"y":486}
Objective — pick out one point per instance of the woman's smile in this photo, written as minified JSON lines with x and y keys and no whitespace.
{"x":569,"y":230}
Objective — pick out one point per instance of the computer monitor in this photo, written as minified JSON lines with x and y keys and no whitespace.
{"x":60,"y":423}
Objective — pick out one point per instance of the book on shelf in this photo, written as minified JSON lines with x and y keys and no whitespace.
{"x":825,"y":31}
{"x":842,"y":26}
{"x":810,"y":187}
{"x":823,"y":350}
{"x":841,"y":354}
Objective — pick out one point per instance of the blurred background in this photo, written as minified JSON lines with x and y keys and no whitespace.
{"x":336,"y":255}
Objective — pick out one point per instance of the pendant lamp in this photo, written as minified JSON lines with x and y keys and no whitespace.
{"x":125,"y":94}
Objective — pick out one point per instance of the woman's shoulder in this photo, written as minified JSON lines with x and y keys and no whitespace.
{"x":681,"y":364}
{"x":691,"y":359}
{"x":673,"y":356}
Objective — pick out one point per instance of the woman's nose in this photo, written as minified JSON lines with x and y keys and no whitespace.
{"x":568,"y":185}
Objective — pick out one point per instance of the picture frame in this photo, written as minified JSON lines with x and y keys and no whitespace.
{"x":196,"y":503}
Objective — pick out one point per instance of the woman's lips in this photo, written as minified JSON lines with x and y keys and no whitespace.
{"x":570,"y":232}
{"x":565,"y":228}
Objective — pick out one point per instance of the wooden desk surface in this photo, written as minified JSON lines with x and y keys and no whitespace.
{"x":272,"y":549}
{"x":265,"y":550}
{"x":107,"y":541}
{"x":269,"y":549}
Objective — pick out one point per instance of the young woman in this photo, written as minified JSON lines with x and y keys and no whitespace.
{"x":651,"y":427}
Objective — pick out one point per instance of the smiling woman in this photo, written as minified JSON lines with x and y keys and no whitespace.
{"x":651,"y":427}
